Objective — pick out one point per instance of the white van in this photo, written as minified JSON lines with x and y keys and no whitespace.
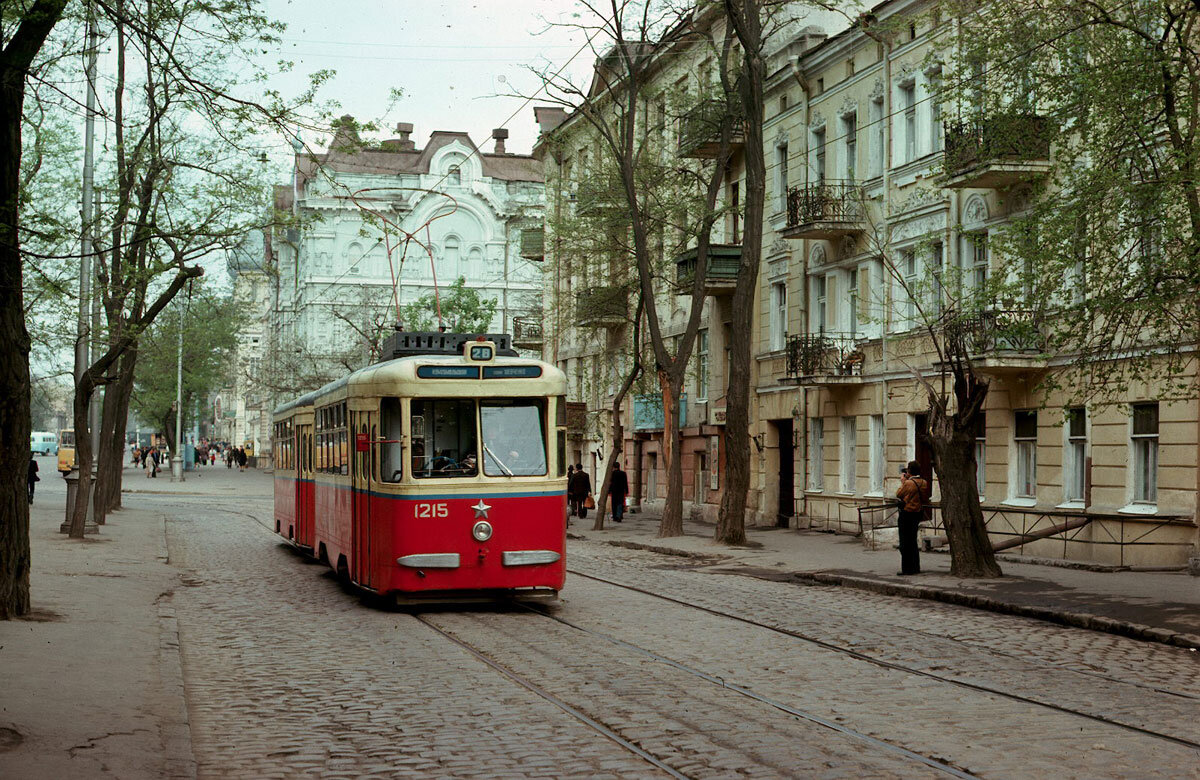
{"x":43,"y":443}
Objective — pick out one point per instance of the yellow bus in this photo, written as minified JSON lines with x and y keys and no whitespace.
{"x":66,"y":450}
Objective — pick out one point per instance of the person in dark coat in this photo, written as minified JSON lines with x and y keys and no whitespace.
{"x":33,"y":476}
{"x":583,"y":488}
{"x":913,"y":495}
{"x":617,"y":490}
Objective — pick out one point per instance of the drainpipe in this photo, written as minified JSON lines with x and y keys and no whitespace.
{"x":887,"y":182}
{"x":798,"y":75}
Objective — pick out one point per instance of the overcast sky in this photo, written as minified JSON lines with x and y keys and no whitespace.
{"x":451,"y":58}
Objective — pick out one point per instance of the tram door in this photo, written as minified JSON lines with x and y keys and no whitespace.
{"x":361,"y":485}
{"x":304,"y":491}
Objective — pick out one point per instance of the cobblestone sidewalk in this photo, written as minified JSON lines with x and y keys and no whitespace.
{"x":1154,"y":606}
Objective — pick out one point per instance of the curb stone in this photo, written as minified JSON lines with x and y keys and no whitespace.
{"x":977,"y":601}
{"x":175,"y":731}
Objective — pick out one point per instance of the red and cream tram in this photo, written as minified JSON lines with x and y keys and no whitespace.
{"x":437,"y":475}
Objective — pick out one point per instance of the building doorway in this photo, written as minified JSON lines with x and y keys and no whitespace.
{"x":787,"y":472}
{"x":922,"y":452}
{"x":652,"y":477}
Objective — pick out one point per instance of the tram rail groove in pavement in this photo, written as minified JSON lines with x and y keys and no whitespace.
{"x":557,"y":702}
{"x":895,"y":666}
{"x":729,"y":686}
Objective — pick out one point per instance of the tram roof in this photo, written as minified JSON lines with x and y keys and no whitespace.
{"x":399,"y":377}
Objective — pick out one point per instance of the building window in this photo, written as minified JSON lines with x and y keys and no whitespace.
{"x":849,"y":452}
{"x":850,"y":133}
{"x":816,"y":453}
{"x":821,"y":306}
{"x":908,"y":266}
{"x":781,"y":156}
{"x":852,"y":299}
{"x":454,"y":175}
{"x":908,"y":105}
{"x":936,"y":259}
{"x":981,"y":454}
{"x":702,"y":365}
{"x":936,"y":131}
{"x":878,"y":453}
{"x":976,"y":260}
{"x":1025,"y":438}
{"x":1145,"y":453}
{"x":818,"y":138}
{"x":1075,"y":456}
{"x":877,"y":136}
{"x":783,"y":103}
{"x":779,"y":321}
{"x":735,"y":212}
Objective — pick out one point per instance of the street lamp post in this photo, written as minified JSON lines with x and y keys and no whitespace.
{"x":177,"y":453}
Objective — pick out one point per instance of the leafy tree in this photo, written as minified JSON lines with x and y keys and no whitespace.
{"x":458,"y":309}
{"x":25,"y":29}
{"x":640,"y":197}
{"x":210,"y":324}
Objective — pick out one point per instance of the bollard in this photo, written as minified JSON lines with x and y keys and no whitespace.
{"x":72,"y":480}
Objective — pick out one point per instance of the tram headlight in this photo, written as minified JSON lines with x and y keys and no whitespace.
{"x":482,"y":531}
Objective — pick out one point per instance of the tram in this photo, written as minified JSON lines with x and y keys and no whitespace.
{"x":438,"y":475}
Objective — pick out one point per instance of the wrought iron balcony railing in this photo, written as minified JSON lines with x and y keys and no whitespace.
{"x":723,"y":261}
{"x":602,"y":307}
{"x":824,"y":355}
{"x":533,"y":243}
{"x":1001,"y":330}
{"x":1018,"y":143}
{"x":527,"y":332}
{"x":700,"y":128}
{"x":828,"y":209}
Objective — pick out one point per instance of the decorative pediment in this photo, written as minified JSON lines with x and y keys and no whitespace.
{"x":817,"y":123}
{"x":816,"y":257}
{"x":976,"y":210}
{"x":877,"y":90}
{"x":778,"y":247}
{"x":848,"y":107}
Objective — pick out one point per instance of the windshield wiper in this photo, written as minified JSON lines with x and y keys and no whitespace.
{"x":499,"y":462}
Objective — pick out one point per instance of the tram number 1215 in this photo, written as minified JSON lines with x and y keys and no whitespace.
{"x":431,"y":510}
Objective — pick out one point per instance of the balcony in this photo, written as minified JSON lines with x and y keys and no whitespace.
{"x":598,"y":200}
{"x":825,"y":360}
{"x":828,"y":210}
{"x":533,"y":243}
{"x":576,"y":419}
{"x":602,"y":307}
{"x":527,"y":332}
{"x":700,"y":129}
{"x":997,"y":151}
{"x":648,"y":412}
{"x":1003,"y":341}
{"x":723,"y":262}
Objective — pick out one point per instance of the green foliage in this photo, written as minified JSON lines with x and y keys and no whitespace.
{"x":211,"y":322}
{"x":1105,"y":249}
{"x":463,"y":310}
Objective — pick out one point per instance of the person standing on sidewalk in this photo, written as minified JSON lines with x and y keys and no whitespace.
{"x":33,"y":476}
{"x":913,"y":495}
{"x":617,"y":490}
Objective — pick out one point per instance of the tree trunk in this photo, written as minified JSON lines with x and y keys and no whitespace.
{"x":14,"y":365}
{"x":83,"y":454}
{"x":953,"y":444}
{"x":111,"y":459}
{"x":731,"y":519}
{"x":672,"y":516}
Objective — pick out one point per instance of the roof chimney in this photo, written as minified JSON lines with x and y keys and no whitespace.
{"x":549,"y":117}
{"x":500,"y":134}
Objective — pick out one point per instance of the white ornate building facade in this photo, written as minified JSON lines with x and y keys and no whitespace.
{"x":380,"y":225}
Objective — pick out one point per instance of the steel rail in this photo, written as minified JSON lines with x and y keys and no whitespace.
{"x":894,"y":666}
{"x":725,"y":684}
{"x":557,"y":702}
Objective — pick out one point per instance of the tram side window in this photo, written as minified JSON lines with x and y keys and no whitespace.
{"x":391,"y":459}
{"x":443,"y":438}
{"x":514,"y":437}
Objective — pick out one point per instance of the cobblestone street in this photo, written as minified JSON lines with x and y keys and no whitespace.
{"x":705,"y":674}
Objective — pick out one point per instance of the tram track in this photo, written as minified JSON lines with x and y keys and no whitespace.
{"x":860,"y":656}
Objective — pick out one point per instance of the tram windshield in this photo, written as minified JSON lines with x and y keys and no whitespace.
{"x":446,"y":441}
{"x":443,"y":438}
{"x":514,"y":439}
